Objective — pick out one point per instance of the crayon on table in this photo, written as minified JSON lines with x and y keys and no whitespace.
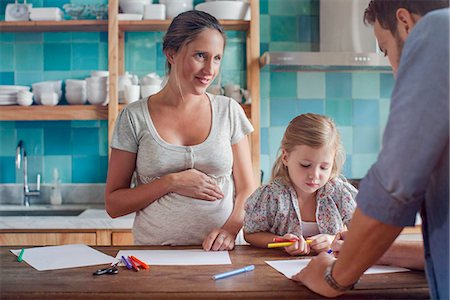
{"x":20,"y":257}
{"x":280,"y":240}
{"x":234,"y":272}
{"x":276,"y":245}
{"x":125,"y":261}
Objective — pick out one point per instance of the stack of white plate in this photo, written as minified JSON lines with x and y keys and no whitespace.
{"x":8,"y":93}
{"x":76,"y":91}
{"x":46,"y":87}
{"x":97,"y":89}
{"x":46,"y":14}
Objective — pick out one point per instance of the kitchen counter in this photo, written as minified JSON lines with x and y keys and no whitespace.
{"x":91,"y":218}
{"x":20,"y":281}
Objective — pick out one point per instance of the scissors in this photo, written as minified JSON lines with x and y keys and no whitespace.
{"x":108,"y":271}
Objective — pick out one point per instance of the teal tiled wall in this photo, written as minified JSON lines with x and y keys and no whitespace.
{"x":357,"y":101}
{"x":78,"y":148}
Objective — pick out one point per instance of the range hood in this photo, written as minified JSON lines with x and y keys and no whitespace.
{"x":346,"y":44}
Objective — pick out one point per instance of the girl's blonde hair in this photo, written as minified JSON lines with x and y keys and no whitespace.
{"x":311,"y":130}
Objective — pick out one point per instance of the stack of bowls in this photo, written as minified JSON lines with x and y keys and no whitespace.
{"x":97,"y":87}
{"x":76,"y":91}
{"x":46,"y":88}
{"x":134,"y":6}
{"x":176,"y":7}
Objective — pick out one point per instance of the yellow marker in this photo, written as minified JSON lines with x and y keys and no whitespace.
{"x":277,"y":245}
{"x":308,"y":241}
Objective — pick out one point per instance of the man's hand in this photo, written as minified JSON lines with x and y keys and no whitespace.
{"x":312,"y":275}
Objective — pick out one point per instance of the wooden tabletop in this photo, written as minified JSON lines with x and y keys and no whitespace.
{"x":21,"y":281}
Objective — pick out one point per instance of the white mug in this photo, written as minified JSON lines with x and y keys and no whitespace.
{"x":150,"y":89}
{"x":234,"y":91}
{"x":49,"y":98}
{"x":132,"y":93}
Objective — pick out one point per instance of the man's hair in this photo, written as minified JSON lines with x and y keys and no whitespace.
{"x":384,"y":11}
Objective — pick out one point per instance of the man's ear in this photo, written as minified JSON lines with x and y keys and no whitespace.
{"x":405,"y":22}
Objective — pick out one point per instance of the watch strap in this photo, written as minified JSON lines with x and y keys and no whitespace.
{"x":327,"y":275}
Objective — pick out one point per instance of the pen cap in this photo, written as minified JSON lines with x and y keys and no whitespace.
{"x":249,"y":268}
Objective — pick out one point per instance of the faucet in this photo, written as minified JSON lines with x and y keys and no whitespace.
{"x":21,"y":159}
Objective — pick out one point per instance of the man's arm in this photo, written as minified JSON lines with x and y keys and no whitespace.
{"x":365,"y":243}
{"x":406,"y":254}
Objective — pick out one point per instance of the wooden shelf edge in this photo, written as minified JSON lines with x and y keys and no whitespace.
{"x":53,"y":26}
{"x":162,"y":25}
{"x":53,"y":113}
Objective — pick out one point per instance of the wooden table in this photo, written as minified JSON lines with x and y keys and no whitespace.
{"x":20,"y":281}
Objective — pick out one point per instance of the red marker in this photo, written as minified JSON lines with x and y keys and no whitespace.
{"x":143,"y":264}
{"x":135,"y":267}
{"x":282,"y":240}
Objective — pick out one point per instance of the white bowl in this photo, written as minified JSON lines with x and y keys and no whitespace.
{"x":129,"y":17}
{"x":76,"y":99}
{"x":154,"y":12}
{"x":133,"y":6}
{"x":225,"y":10}
{"x":99,"y":73}
{"x":176,"y":7}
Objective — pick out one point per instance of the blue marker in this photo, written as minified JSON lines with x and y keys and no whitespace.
{"x":125,"y":261}
{"x":330,"y":251}
{"x":234,"y":272}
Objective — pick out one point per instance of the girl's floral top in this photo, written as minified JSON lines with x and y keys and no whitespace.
{"x":274,"y":208}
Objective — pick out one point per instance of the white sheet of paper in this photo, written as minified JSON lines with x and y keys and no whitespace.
{"x":63,"y":257}
{"x":178,"y":257}
{"x":291,"y":267}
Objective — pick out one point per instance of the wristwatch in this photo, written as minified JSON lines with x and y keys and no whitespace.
{"x":332,"y":283}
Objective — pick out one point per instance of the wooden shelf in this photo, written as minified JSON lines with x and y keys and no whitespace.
{"x":94,"y":25}
{"x":162,"y":25}
{"x":64,"y":112}
{"x":54,"y":26}
{"x":48,"y":113}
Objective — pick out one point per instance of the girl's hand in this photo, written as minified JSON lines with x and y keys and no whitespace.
{"x":195,"y":184}
{"x":300,"y":247}
{"x":338,"y":242}
{"x":321,"y":242}
{"x":219,"y":240}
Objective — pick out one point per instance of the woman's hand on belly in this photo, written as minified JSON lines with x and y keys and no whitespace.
{"x":195,"y":184}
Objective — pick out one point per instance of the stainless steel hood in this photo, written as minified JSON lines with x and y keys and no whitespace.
{"x":346,"y":44}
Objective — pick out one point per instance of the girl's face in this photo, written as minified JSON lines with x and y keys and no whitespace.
{"x":198,"y":63}
{"x":308,"y":168}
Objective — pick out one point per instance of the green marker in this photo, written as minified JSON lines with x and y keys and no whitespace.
{"x":19,"y":258}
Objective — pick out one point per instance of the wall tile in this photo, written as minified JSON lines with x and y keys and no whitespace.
{"x":346,"y":133}
{"x":387,"y":83}
{"x":340,"y":110}
{"x":85,"y":141}
{"x":7,"y":169}
{"x":365,"y":85}
{"x":361,"y":163}
{"x":89,"y":168}
{"x":57,"y":56}
{"x":338,"y":85}
{"x":283,"y":85}
{"x":283,"y":28}
{"x":347,"y":168}
{"x":57,"y":37}
{"x":284,"y":8}
{"x":275,"y":136}
{"x":264,"y":28}
{"x":33,"y":140}
{"x":308,"y":29}
{"x":57,"y":140}
{"x":264,"y":140}
{"x":6,"y":57}
{"x":61,"y":162}
{"x":28,"y":77}
{"x":311,"y":85}
{"x":7,"y":141}
{"x":366,"y":140}
{"x":316,"y":106}
{"x":28,"y":37}
{"x":282,"y":111}
{"x":29,"y":57}
{"x":366,"y":112}
{"x":84,"y":56}
{"x":266,"y":167}
{"x":6,"y":78}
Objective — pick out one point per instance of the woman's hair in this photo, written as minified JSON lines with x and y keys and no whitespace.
{"x":315,"y":131}
{"x":385,"y":10}
{"x":186,"y":27}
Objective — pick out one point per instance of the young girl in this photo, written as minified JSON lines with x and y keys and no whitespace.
{"x":306,"y":199}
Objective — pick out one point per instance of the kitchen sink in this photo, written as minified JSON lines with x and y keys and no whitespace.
{"x":41,"y":213}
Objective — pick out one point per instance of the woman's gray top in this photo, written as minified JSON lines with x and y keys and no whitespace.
{"x":175,"y":219}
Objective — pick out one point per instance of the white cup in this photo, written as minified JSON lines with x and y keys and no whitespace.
{"x":148,"y":90}
{"x":49,"y":98}
{"x":132,"y":93}
{"x":154,"y":12}
{"x":234,"y":91}
{"x":24,"y":98}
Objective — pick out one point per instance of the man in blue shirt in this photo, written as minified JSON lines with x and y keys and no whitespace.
{"x":412,"y":170}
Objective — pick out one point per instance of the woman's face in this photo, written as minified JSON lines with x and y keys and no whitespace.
{"x":198,"y":63}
